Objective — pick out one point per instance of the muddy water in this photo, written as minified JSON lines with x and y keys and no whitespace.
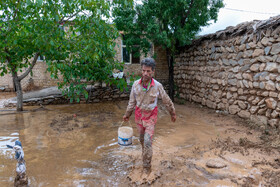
{"x":5,"y":95}
{"x":76,"y":145}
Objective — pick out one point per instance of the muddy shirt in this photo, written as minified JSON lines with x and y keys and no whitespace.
{"x":148,"y":98}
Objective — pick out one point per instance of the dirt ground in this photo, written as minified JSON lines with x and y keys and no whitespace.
{"x":240,"y":154}
{"x":235,"y":152}
{"x":203,"y":148}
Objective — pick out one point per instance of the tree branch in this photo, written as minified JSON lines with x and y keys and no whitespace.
{"x":14,"y":19}
{"x":8,"y":58}
{"x":187,"y":14}
{"x":30,"y":67}
{"x":16,"y":10}
{"x":68,"y":18}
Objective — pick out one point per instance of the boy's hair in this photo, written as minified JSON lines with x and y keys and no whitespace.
{"x":149,"y":62}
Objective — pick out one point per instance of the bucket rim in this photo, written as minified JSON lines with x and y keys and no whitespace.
{"x":125,"y":144}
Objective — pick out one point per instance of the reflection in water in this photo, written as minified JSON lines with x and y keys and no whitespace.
{"x":7,"y":140}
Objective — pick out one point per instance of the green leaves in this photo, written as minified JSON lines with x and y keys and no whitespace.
{"x":74,"y":36}
{"x":170,"y":24}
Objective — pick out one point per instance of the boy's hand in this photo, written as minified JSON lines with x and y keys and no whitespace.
{"x":125,"y":118}
{"x":173,"y":117}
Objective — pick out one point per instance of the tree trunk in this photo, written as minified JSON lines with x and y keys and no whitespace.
{"x":170,"y":60}
{"x":18,"y":91}
{"x":17,"y":79}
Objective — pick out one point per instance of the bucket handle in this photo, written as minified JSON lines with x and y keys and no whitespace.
{"x":128,"y":123}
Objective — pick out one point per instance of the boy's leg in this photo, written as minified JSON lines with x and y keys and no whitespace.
{"x":141,"y":131}
{"x":147,"y":153}
{"x":147,"y":147}
{"x":146,"y":123}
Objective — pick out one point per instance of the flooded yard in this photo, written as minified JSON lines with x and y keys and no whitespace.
{"x":5,"y":95}
{"x":76,"y":145}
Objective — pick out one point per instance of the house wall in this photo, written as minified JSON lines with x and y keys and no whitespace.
{"x":162,"y":72}
{"x":40,"y":79}
{"x":6,"y":83}
{"x":236,"y":71}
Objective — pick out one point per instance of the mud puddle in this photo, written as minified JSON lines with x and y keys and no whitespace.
{"x":76,"y":145}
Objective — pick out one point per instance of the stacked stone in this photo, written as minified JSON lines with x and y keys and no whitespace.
{"x":237,"y":74}
{"x":107,"y":93}
{"x":97,"y":93}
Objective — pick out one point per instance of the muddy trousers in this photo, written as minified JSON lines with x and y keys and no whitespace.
{"x":146,"y":134}
{"x":146,"y":121}
{"x":147,"y":150}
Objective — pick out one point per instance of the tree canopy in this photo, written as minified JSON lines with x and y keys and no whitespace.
{"x":74,"y":36}
{"x":170,"y":24}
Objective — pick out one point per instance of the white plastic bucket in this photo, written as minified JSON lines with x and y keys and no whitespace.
{"x":125,"y":134}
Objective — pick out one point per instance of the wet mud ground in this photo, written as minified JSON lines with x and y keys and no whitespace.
{"x":76,"y":145}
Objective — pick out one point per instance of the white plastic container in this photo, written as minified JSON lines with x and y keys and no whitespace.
{"x":125,"y":134}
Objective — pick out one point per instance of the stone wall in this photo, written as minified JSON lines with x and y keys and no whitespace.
{"x":97,"y":93}
{"x":236,"y":70}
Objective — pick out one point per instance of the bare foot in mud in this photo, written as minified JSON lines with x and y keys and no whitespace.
{"x":140,"y":175}
{"x":146,"y":171}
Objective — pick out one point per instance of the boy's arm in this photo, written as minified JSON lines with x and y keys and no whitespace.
{"x":167,"y":102}
{"x":131,"y":104}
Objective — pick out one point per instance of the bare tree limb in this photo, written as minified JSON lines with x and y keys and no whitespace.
{"x":30,"y":67}
{"x":63,"y":21}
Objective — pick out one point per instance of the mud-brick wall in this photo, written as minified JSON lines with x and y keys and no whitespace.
{"x":239,"y":74}
{"x":39,"y":79}
{"x":6,"y":83}
{"x":162,"y":72}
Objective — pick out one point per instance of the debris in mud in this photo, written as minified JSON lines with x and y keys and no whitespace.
{"x":271,"y":178}
{"x":41,"y":108}
{"x":270,"y":136}
{"x":139,"y":177}
{"x":216,"y":163}
{"x":67,"y":123}
{"x":167,"y":164}
{"x":70,"y":122}
{"x":228,"y":145}
{"x":246,"y":182}
{"x":274,"y":165}
{"x":101,"y":116}
{"x":242,"y":146}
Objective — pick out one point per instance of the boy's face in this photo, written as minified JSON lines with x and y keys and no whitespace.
{"x":147,"y":73}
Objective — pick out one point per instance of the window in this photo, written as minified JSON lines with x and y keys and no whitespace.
{"x":129,"y":58}
{"x":41,"y":57}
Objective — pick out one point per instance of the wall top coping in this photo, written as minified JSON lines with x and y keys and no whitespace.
{"x":240,"y":29}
